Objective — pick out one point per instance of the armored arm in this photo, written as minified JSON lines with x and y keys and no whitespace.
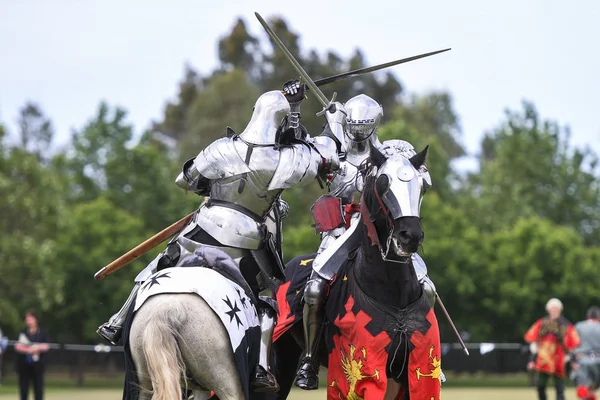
{"x":329,"y":237}
{"x":334,"y":129}
{"x":191,"y":179}
{"x":330,"y":144}
{"x":284,"y":208}
{"x":294,"y":93}
{"x":421,"y":272}
{"x":217,"y":161}
{"x":336,"y":117}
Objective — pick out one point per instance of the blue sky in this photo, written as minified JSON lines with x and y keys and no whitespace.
{"x":70,"y":55}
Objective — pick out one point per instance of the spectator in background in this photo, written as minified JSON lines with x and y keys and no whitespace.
{"x":586,"y":363}
{"x":31,"y":345}
{"x":553,"y":335}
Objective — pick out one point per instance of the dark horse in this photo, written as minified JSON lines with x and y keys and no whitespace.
{"x":381,"y":338}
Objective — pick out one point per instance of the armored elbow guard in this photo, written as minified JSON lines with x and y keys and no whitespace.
{"x":328,"y":150}
{"x":429,"y":289}
{"x":190,"y":179}
{"x":334,"y":129}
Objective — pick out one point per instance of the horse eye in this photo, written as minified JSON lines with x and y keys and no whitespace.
{"x":382,"y":184}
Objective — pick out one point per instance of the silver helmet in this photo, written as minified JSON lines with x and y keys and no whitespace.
{"x":269,"y":112}
{"x":364,"y":115}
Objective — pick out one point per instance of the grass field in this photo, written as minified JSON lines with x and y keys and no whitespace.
{"x":447,"y":394}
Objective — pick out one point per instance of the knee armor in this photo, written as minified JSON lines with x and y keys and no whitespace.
{"x":314,"y":292}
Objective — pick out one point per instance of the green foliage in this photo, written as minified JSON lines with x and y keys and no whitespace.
{"x":529,"y":168}
{"x":36,"y":130}
{"x":211,"y":108}
{"x":98,"y":233}
{"x":32,"y":211}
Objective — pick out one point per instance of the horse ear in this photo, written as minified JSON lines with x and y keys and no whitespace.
{"x":377,"y":156}
{"x":419,"y":159}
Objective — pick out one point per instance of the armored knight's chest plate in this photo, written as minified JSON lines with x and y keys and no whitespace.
{"x":347,"y":183}
{"x":245,"y":182}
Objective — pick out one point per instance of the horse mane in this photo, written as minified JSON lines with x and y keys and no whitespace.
{"x":368,"y":171}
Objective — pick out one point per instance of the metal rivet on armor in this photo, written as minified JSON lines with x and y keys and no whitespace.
{"x":405,"y":173}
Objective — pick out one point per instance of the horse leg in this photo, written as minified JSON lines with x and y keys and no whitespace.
{"x":287,"y":355}
{"x":155,"y":352}
{"x":286,"y":351}
{"x":207,"y":351}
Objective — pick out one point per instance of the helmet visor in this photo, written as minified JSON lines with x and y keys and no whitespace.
{"x":359,"y":132}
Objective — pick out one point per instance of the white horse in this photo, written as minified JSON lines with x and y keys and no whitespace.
{"x":178,"y":335}
{"x":185,"y":332}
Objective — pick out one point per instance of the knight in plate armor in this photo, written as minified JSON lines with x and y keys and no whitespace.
{"x":243,"y":176}
{"x":357,"y":122}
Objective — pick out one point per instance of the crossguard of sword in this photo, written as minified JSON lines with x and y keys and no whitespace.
{"x":330,"y":107}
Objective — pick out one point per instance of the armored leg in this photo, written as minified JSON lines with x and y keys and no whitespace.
{"x":262,"y":378}
{"x":307,"y":377}
{"x":112,"y":329}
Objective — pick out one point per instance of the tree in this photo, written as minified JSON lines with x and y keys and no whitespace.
{"x":142,"y":183}
{"x":98,"y":233}
{"x":227,"y":100}
{"x":35,"y":130}
{"x":174,"y":122}
{"x":452,"y":253}
{"x":101,"y":140}
{"x":33,"y":210}
{"x":241,"y":50}
{"x":206,"y":105}
{"x":526,"y":265}
{"x":527,"y":168}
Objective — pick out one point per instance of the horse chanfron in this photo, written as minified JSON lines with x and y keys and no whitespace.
{"x":394,"y":201}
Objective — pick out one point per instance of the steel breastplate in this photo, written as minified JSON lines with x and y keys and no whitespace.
{"x":347,"y":183}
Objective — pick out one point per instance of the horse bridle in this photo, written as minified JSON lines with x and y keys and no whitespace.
{"x":373,"y":232}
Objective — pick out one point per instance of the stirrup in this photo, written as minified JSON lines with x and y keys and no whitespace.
{"x":110,"y":333}
{"x":263,"y":381}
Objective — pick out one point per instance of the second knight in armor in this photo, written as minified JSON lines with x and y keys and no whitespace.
{"x":244,"y":176}
{"x":357,"y":122}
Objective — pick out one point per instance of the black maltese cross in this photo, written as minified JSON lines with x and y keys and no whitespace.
{"x":242,"y":299}
{"x":234,"y":309}
{"x":154,"y":280}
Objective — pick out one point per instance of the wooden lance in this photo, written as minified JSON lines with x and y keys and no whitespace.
{"x":143,"y":248}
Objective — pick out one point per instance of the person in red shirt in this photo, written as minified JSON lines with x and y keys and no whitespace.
{"x":555,"y":337}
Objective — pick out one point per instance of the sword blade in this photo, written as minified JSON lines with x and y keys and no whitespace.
{"x":451,"y":323}
{"x":360,"y":71}
{"x":309,"y":82}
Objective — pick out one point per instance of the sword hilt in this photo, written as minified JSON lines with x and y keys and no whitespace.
{"x":330,"y":107}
